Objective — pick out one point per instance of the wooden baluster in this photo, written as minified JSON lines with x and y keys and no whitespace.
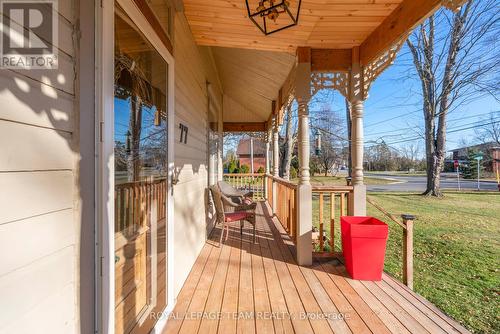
{"x":121,"y":203}
{"x":136,"y":209}
{"x":117,"y":201}
{"x":321,"y":222}
{"x":342,"y":204}
{"x":294,"y":215}
{"x":408,"y":250}
{"x":129,"y":208}
{"x":332,"y":222}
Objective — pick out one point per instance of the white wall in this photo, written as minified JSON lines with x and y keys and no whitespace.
{"x":46,"y":218}
{"x":193,"y":67}
{"x":39,"y":193}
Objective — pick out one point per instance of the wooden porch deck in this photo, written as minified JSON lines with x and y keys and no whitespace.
{"x":258,"y":288}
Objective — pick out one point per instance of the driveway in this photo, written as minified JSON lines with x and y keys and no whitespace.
{"x":417,"y":183}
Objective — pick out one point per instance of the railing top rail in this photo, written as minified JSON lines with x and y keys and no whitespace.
{"x":244,"y":174}
{"x":283,"y":182}
{"x":332,"y":189}
{"x":387,"y":214}
{"x":139,"y":183}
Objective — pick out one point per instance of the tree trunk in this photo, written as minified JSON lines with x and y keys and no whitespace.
{"x":349,"y":130}
{"x":135,"y":122}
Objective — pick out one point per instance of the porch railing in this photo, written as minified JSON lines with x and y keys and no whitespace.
{"x":406,"y":223}
{"x":282,"y":197}
{"x":247,"y":182}
{"x":330,"y":203}
{"x":133,"y":202}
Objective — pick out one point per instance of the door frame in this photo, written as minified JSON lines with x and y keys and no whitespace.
{"x":105,"y":248}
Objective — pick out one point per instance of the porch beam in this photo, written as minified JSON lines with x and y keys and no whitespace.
{"x":331,"y":60}
{"x":155,"y":24}
{"x":245,"y":127}
{"x":396,"y":26}
{"x":285,"y":91}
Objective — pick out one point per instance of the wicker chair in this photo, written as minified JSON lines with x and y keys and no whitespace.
{"x":234,"y":194}
{"x":242,"y":213}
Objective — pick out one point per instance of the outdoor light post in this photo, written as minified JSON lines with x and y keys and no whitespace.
{"x":317,"y":139}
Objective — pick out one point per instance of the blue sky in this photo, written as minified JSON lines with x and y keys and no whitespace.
{"x":393,"y":110}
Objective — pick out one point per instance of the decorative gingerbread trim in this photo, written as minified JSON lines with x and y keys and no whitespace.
{"x":372,"y":70}
{"x":330,"y":80}
{"x":453,"y":5}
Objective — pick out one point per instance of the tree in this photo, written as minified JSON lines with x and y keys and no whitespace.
{"x":288,"y":144}
{"x":469,"y":171}
{"x":489,"y":132}
{"x":349,"y":128}
{"x":328,"y":157}
{"x":244,"y":169}
{"x":454,"y":65}
{"x":334,"y":142}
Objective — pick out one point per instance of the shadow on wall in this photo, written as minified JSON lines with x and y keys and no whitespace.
{"x":36,"y":104}
{"x":45,"y":100}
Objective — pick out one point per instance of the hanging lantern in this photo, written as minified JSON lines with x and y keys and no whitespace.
{"x":271,"y":16}
{"x":317,"y":141}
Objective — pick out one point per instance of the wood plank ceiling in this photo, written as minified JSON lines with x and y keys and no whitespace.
{"x":253,"y":67}
{"x":335,"y":24}
{"x":252,"y":78}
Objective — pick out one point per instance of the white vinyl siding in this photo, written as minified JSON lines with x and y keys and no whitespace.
{"x":193,"y":68}
{"x":39,"y":230}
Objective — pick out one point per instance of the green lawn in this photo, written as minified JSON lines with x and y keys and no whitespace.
{"x":457,"y":252}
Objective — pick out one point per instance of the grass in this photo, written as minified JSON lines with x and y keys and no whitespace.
{"x":457,"y":252}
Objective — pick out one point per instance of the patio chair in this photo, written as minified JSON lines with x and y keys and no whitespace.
{"x":242,"y":213}
{"x":236,"y":195}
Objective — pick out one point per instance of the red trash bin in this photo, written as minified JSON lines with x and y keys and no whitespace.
{"x":363,"y":245}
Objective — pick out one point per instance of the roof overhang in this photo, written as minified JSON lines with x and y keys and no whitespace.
{"x":255,"y":69}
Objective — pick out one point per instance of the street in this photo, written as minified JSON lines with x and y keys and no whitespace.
{"x":417,"y":183}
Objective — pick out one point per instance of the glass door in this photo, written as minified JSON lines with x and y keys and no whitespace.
{"x":141,"y":169}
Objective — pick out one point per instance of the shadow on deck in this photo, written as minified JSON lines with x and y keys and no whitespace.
{"x":258,"y":288}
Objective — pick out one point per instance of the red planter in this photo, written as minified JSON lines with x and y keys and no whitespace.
{"x":363,"y":244}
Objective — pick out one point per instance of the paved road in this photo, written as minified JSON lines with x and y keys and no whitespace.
{"x":417,"y":183}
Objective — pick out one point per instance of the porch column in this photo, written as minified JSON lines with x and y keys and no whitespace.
{"x":304,"y":190}
{"x":267,"y":155}
{"x":276,"y":148}
{"x":267,"y":170}
{"x":276,"y":158}
{"x":220,"y":148}
{"x":358,"y":203}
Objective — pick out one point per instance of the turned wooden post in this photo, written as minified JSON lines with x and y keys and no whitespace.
{"x":304,"y":189}
{"x":408,"y":250}
{"x":356,"y":98}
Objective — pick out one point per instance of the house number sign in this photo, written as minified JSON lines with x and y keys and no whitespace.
{"x":184,"y":133}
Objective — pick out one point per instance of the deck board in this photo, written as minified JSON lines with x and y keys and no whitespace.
{"x":246,"y":287}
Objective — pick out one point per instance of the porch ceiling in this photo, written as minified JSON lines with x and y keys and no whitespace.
{"x":251,"y":79}
{"x":336,"y":24}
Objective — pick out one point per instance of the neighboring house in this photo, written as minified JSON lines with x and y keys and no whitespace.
{"x":490,"y":151}
{"x":106,"y":160}
{"x":243,"y":153}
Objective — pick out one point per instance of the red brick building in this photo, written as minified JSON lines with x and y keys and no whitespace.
{"x":259,"y":154}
